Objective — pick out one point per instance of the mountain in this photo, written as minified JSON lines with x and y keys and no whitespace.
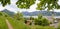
{"x":35,"y":13}
{"x":8,"y":12}
{"x":44,"y":13}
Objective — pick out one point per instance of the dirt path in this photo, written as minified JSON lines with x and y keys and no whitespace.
{"x":8,"y":24}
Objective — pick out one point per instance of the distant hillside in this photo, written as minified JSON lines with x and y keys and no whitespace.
{"x":8,"y":12}
{"x":35,"y":13}
{"x":45,"y":13}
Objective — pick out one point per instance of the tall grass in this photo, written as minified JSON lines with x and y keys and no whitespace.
{"x":3,"y":24}
{"x":17,"y":24}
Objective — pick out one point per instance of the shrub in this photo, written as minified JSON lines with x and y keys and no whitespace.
{"x":42,"y":21}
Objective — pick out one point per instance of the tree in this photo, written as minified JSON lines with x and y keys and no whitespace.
{"x":18,"y":16}
{"x":45,"y":22}
{"x":40,"y":16}
{"x":42,"y":21}
{"x":5,"y":2}
{"x":24,"y":3}
{"x":50,"y":4}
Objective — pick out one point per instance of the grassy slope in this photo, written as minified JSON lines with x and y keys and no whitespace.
{"x":20,"y":25}
{"x":17,"y":25}
{"x":3,"y":23}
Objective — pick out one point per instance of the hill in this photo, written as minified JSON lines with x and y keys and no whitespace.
{"x":35,"y":13}
{"x":44,"y":13}
{"x":8,"y":12}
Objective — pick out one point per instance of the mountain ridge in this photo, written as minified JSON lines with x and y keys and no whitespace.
{"x":35,"y":13}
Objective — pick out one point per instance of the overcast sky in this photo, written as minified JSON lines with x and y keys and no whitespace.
{"x":14,"y":8}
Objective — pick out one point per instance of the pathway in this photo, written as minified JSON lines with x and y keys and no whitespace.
{"x":8,"y":24}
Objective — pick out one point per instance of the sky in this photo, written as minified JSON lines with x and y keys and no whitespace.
{"x":13,"y":7}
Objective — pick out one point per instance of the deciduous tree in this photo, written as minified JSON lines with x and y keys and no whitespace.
{"x":49,"y":4}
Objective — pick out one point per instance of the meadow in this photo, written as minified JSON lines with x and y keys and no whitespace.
{"x":19,"y":24}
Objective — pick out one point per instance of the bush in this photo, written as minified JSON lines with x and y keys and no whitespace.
{"x":42,"y":21}
{"x":18,"y":16}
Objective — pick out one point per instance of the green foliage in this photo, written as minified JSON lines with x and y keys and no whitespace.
{"x":5,"y":2}
{"x":45,"y":22}
{"x":0,"y":13}
{"x":18,"y":16}
{"x":40,"y":16}
{"x":3,"y":24}
{"x":20,"y":24}
{"x":31,"y":18}
{"x":17,"y":24}
{"x":50,"y":4}
{"x":42,"y":21}
{"x":24,"y":3}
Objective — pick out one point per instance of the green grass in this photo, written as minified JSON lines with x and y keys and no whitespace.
{"x":17,"y":24}
{"x":20,"y":25}
{"x":42,"y":27}
{"x":3,"y":24}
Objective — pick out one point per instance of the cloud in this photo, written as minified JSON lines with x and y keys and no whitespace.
{"x":13,"y":7}
{"x":1,"y":8}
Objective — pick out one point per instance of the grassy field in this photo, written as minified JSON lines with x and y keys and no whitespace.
{"x":17,"y":24}
{"x":41,"y":27}
{"x":3,"y":23}
{"x":20,"y":25}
